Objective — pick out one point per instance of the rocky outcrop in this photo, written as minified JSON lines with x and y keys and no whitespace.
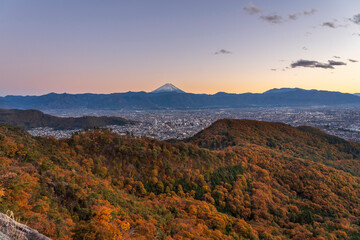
{"x":11,"y":229}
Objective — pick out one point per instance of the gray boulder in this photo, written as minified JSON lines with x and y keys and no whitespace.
{"x":11,"y":229}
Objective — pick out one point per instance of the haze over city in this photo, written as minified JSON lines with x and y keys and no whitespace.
{"x":204,"y":46}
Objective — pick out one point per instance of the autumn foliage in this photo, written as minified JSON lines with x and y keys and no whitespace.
{"x":238,"y":179}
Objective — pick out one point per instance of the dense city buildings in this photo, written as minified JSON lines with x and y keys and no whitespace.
{"x":178,"y":124}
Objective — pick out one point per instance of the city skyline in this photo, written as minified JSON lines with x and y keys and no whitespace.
{"x":200,"y":47}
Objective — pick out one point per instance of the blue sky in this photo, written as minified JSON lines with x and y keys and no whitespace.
{"x":200,"y":46}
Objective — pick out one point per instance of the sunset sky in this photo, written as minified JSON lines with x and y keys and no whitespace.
{"x":201,"y":46}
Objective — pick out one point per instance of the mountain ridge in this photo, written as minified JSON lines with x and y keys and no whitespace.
{"x":175,"y":100}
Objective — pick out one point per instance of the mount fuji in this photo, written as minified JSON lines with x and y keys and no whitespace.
{"x":166,"y":88}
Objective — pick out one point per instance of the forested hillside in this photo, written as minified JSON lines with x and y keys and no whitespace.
{"x":27,"y":119}
{"x":237,"y":179}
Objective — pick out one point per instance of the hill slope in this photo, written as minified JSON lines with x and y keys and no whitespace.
{"x":304,"y":142}
{"x":27,"y":119}
{"x":235,"y":180}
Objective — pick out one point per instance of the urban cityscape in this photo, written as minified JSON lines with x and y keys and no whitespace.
{"x":342,"y":121}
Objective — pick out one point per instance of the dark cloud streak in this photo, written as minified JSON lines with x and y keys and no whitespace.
{"x":336,"y":63}
{"x":316,"y":64}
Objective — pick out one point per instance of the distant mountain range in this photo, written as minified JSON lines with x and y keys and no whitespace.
{"x":27,"y":119}
{"x":170,"y":97}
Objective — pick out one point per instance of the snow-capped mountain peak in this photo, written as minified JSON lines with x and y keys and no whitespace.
{"x":168,"y":87}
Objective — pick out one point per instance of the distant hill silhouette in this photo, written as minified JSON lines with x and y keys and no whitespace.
{"x":179,"y":100}
{"x":27,"y":119}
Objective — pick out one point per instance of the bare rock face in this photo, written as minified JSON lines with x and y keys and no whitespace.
{"x":11,"y":229}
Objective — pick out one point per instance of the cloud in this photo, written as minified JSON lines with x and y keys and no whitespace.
{"x":295,"y":16}
{"x":316,"y":64}
{"x":353,"y":60}
{"x":356,"y":19}
{"x":311,"y":12}
{"x":274,"y":19}
{"x":324,"y":65}
{"x":336,"y":57}
{"x":252,"y":9}
{"x":329,"y":24}
{"x":336,"y":63}
{"x":334,"y":24}
{"x":310,"y":64}
{"x":273,"y":69}
{"x":305,"y":48}
{"x":222,"y":51}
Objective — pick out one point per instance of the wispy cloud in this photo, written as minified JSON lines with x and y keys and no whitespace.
{"x":334,"y":24}
{"x":311,"y":12}
{"x":295,"y":16}
{"x":222,"y":51}
{"x":252,"y":9}
{"x":274,"y":19}
{"x":329,"y":24}
{"x":356,"y":19}
{"x":336,"y":57}
{"x":353,"y":60}
{"x":316,"y":64}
